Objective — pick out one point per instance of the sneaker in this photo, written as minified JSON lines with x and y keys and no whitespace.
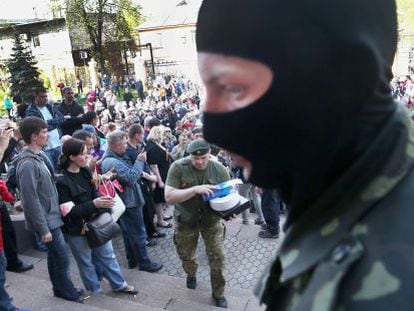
{"x":128,"y":289}
{"x":191,"y":282}
{"x":266,"y":234}
{"x":257,"y":221}
{"x":151,"y":267}
{"x":263,"y":226}
{"x":157,"y":235}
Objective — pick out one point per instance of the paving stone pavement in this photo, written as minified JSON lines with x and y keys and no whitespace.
{"x":246,"y":254}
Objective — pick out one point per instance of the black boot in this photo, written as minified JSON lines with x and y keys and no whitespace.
{"x":220,"y":302}
{"x":191,"y":282}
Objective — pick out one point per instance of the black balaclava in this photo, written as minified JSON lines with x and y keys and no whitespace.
{"x":331,"y":64}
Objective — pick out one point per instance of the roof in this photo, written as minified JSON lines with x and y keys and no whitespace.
{"x":10,"y":22}
{"x":184,"y":13}
{"x":15,"y":23}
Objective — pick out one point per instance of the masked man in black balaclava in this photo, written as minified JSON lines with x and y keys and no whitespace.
{"x":299,"y":92}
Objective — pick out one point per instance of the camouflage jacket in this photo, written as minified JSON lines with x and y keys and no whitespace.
{"x":354,"y":248}
{"x":195,"y":212}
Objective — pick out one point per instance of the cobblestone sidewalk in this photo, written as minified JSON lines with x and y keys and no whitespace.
{"x":246,"y":254}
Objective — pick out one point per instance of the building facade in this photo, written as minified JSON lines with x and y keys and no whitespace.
{"x":50,"y":44}
{"x":172,"y":37}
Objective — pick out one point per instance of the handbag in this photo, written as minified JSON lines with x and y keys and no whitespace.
{"x":101,"y":229}
{"x":108,"y":188}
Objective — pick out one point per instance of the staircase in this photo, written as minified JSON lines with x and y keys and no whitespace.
{"x":32,"y":289}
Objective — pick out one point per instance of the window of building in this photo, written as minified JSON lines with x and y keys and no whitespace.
{"x":36,"y":41}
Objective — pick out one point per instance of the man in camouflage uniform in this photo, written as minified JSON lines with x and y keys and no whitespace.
{"x":188,"y":179}
{"x":300,"y":93}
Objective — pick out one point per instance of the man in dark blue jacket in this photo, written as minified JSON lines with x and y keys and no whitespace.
{"x":131,"y":221}
{"x":54,"y":119}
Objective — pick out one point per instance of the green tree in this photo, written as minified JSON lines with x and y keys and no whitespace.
{"x":23,"y":72}
{"x":105,"y":22}
{"x":406,"y":18}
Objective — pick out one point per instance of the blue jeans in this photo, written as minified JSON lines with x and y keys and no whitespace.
{"x":53,"y":156}
{"x":58,"y":265}
{"x":5,"y":300}
{"x":104,"y":256}
{"x":271,"y":205}
{"x":135,"y":236}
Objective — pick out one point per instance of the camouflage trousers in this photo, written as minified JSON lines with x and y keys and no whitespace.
{"x":186,"y":239}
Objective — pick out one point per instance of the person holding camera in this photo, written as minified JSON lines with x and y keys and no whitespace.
{"x":132,"y":220}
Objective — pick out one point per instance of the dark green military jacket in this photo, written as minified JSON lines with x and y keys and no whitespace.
{"x":195,"y":211}
{"x":354,"y":248}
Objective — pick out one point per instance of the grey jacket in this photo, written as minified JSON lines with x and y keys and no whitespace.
{"x":35,"y":178}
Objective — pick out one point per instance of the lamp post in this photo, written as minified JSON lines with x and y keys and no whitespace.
{"x":124,"y":41}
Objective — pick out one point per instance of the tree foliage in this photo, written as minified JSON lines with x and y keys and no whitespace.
{"x":406,"y":18}
{"x":24,"y":74}
{"x":105,"y":22}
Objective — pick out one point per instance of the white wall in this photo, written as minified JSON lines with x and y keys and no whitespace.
{"x":173,"y":44}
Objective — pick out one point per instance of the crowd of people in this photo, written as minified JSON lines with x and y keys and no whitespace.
{"x":57,"y":149}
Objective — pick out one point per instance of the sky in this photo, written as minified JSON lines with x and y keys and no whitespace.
{"x":15,"y":9}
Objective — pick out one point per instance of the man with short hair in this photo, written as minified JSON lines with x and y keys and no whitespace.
{"x":135,"y":146}
{"x":197,"y":133}
{"x":131,"y":221}
{"x":42,"y":109}
{"x":149,"y":123}
{"x":35,"y":176}
{"x":72,"y":111}
{"x":188,"y":179}
{"x":135,"y":143}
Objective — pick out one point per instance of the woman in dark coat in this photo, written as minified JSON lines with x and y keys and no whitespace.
{"x":79,"y":203}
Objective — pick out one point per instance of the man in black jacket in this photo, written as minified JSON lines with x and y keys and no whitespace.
{"x":72,"y":112}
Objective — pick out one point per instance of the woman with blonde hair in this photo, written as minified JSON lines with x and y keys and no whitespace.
{"x":159,"y":160}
